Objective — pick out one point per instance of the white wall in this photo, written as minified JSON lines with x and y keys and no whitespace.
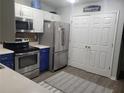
{"x":28,"y":3}
{"x":107,"y":5}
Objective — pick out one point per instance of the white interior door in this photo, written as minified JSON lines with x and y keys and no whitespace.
{"x":92,"y":40}
{"x":79,"y":40}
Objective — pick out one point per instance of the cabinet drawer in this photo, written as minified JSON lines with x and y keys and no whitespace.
{"x":7,"y":60}
{"x":46,"y":50}
{"x":8,"y":63}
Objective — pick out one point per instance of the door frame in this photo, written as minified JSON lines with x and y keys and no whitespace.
{"x":115,"y":32}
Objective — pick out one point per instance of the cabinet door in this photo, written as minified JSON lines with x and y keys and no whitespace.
{"x":102,"y":34}
{"x":26,"y":11}
{"x":17,"y":10}
{"x":44,"y":60}
{"x":47,"y":16}
{"x":55,"y":17}
{"x":37,"y":21}
{"x":58,"y":17}
{"x":7,"y":60}
{"x":78,"y":55}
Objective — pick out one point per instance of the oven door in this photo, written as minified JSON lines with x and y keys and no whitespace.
{"x":26,"y":62}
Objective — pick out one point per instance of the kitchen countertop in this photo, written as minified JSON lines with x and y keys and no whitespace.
{"x":13,"y":82}
{"x":35,"y":44}
{"x":5,"y":51}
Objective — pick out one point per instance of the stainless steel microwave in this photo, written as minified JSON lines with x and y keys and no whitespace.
{"x":24,"y":24}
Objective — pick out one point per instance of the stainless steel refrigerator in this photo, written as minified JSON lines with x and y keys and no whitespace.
{"x":56,"y":35}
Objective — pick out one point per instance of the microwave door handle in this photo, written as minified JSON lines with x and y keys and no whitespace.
{"x":31,"y":26}
{"x":28,"y":25}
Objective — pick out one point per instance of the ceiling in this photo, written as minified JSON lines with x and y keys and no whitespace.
{"x":63,"y":3}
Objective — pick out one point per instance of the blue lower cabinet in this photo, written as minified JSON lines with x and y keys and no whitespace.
{"x":44,"y":59}
{"x":7,"y":60}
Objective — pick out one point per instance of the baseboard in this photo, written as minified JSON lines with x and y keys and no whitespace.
{"x":113,"y":78}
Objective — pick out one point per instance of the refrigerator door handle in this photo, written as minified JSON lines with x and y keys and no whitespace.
{"x":62,"y":37}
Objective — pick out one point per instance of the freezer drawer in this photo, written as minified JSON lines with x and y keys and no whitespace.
{"x":60,"y":60}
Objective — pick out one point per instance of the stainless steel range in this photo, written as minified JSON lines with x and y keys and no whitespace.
{"x":26,"y":58}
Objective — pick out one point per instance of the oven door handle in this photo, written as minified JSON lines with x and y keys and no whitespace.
{"x":26,"y":54}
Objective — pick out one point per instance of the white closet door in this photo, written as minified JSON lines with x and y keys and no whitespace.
{"x":92,"y":40}
{"x":79,"y":40}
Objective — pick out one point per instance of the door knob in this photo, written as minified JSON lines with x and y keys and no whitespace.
{"x":86,"y":46}
{"x":89,"y":47}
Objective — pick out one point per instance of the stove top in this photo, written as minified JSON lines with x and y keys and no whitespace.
{"x":19,"y":47}
{"x":29,"y":49}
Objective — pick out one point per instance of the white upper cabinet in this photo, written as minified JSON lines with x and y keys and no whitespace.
{"x":26,"y":11}
{"x":23,"y":11}
{"x":55,"y":17}
{"x":18,"y":10}
{"x":50,"y":16}
{"x":47,"y":16}
{"x":37,"y":21}
{"x":31,"y":13}
{"x":37,"y":15}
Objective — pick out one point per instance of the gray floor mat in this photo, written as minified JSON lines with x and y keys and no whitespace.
{"x":69,"y":83}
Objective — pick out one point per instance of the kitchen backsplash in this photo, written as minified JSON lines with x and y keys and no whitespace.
{"x":32,"y":36}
